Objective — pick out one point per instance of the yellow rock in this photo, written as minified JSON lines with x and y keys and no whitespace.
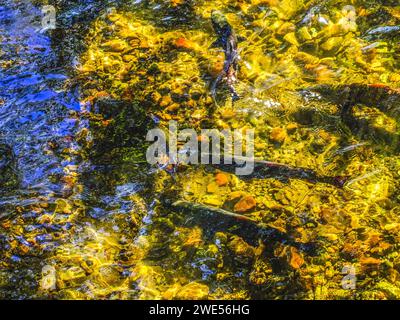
{"x":212,"y":187}
{"x":193,"y":291}
{"x":72,"y":274}
{"x":278,"y":135}
{"x":128,"y":58}
{"x":241,"y":247}
{"x":115,"y":45}
{"x":286,"y":28}
{"x":213,"y":200}
{"x":165,"y":101}
{"x":292,"y":126}
{"x":391,"y":226}
{"x":291,"y":38}
{"x":304,"y":34}
{"x":171,"y":292}
{"x":330,"y":236}
{"x":332,"y":43}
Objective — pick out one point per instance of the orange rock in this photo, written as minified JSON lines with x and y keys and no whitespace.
{"x":186,"y":44}
{"x":374,"y":239}
{"x":172,"y":107}
{"x":296,"y":260}
{"x":97,"y":95}
{"x":379,"y":85}
{"x":370,"y":261}
{"x":165,"y":101}
{"x":6,"y":224}
{"x":24,"y":249}
{"x":176,"y":3}
{"x":221,"y":179}
{"x":245,"y":204}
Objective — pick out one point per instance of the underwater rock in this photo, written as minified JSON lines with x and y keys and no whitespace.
{"x":171,"y":292}
{"x":193,"y":291}
{"x":278,"y":135}
{"x":296,"y":259}
{"x":291,"y":38}
{"x":245,"y":204}
{"x":110,"y":275}
{"x":291,"y":127}
{"x":235,"y":195}
{"x":351,"y":251}
{"x":213,"y":200}
{"x":221,"y":179}
{"x":332,"y":43}
{"x":115,"y":46}
{"x":370,"y":261}
{"x":212,"y":187}
{"x":72,"y":274}
{"x":193,"y":237}
{"x":240,"y":247}
{"x":304,"y":34}
{"x":49,"y":279}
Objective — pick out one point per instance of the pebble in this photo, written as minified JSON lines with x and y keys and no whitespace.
{"x":221,"y":179}
{"x":245,"y":204}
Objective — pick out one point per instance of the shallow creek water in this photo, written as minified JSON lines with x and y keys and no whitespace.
{"x":84,"y":216}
